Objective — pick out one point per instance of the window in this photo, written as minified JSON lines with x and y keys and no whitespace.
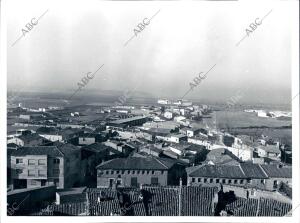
{"x":217,"y":181}
{"x":33,"y":182}
{"x":252,"y":192}
{"x":241,"y":181}
{"x":223,"y":181}
{"x":152,"y":171}
{"x":19,"y":171}
{"x":42,"y":173}
{"x":56,"y":182}
{"x":134,"y":182}
{"x":229,"y":181}
{"x":117,"y":171}
{"x":193,"y":180}
{"x":119,"y":181}
{"x":162,"y":172}
{"x":42,"y":162}
{"x":205,"y":180}
{"x":56,"y":171}
{"x":112,"y":172}
{"x":43,"y":183}
{"x":275,"y":184}
{"x":133,"y":172}
{"x":248,"y":181}
{"x":111,"y":182}
{"x":148,"y":171}
{"x":235,"y":181}
{"x":211,"y":180}
{"x":31,"y":173}
{"x":154,"y":180}
{"x":262,"y":181}
{"x":199,"y":180}
{"x":123,"y":171}
{"x":31,"y":162}
{"x":143,"y":172}
{"x":56,"y":161}
{"x":128,"y":171}
{"x":106,"y":172}
{"x":138,"y":172}
{"x":19,"y":161}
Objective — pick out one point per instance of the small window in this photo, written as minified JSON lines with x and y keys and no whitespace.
{"x":148,"y":171}
{"x":31,"y":162}
{"x":123,"y":171}
{"x":262,"y":181}
{"x":162,"y":172}
{"x":143,"y":171}
{"x":42,"y":173}
{"x":106,"y":172}
{"x":223,"y":181}
{"x":152,"y":171}
{"x":211,"y":180}
{"x":154,"y":180}
{"x":112,"y":172}
{"x":229,"y":181}
{"x":56,"y":171}
{"x":119,"y":181}
{"x":42,"y":162}
{"x":19,"y":161}
{"x":118,"y":171}
{"x":205,"y":180}
{"x":33,"y":182}
{"x":31,"y":173}
{"x":19,"y":171}
{"x":199,"y":180}
{"x":56,"y":161}
{"x":248,"y":181}
{"x":235,"y":181}
{"x":193,"y":179}
{"x":138,"y":172}
{"x":217,"y":181}
{"x":133,"y":172}
{"x":128,"y":171}
{"x":241,"y":181}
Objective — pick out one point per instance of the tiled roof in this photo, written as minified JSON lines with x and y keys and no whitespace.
{"x":253,"y":171}
{"x":197,"y":201}
{"x":45,"y":150}
{"x":258,"y":207}
{"x":277,"y":172}
{"x":37,"y":150}
{"x":30,"y":137}
{"x":134,"y":163}
{"x":218,"y":171}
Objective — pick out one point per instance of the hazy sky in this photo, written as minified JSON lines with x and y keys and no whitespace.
{"x":182,"y":40}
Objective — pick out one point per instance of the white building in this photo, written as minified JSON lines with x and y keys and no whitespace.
{"x":163,"y":101}
{"x":168,"y":115}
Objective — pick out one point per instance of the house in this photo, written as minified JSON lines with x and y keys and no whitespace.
{"x":200,"y":140}
{"x":269,"y":151}
{"x":277,"y":174}
{"x":50,"y":133}
{"x":168,"y":115}
{"x":248,"y":175}
{"x":119,"y":146}
{"x":134,"y":171}
{"x":176,"y":138}
{"x":37,"y":166}
{"x":221,"y":156}
{"x":32,"y":139}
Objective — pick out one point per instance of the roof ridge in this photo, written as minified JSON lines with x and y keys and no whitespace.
{"x":240,"y":166}
{"x":263,"y":171}
{"x":59,"y":151}
{"x":161,"y":162}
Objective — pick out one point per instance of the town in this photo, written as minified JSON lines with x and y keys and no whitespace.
{"x":165,"y":159}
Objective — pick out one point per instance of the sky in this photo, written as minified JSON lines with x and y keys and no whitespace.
{"x":182,"y":40}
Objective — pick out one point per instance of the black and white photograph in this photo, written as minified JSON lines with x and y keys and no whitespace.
{"x":150,"y":111}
